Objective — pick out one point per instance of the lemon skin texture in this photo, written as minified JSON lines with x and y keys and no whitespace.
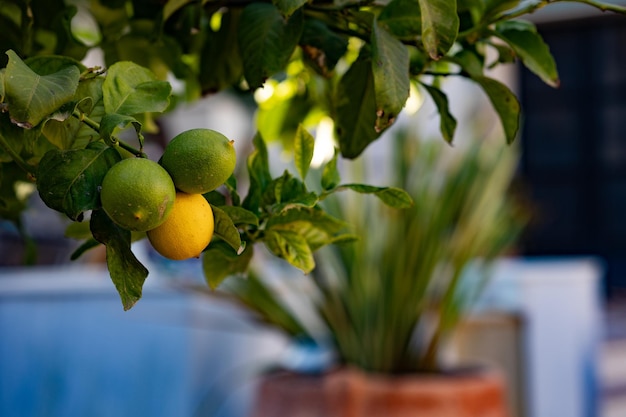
{"x":199,"y":160}
{"x":188,"y":229}
{"x":137,"y":194}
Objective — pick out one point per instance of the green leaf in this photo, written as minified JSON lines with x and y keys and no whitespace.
{"x":286,"y":191}
{"x":219,"y":261}
{"x":288,"y":7}
{"x":2,"y":85}
{"x":240,"y":216}
{"x":355,"y":108}
{"x":226,"y":229}
{"x":259,"y":173}
{"x":111,"y":122}
{"x":172,"y":6}
{"x":470,"y":61}
{"x":530,"y":48}
{"x":266,"y":41}
{"x":402,"y":18}
{"x":221,"y":65}
{"x":322,"y":47}
{"x":131,"y":89}
{"x":31,"y":97}
{"x":303,"y":146}
{"x":390,"y":67}
{"x":440,"y":26}
{"x":316,"y":226}
{"x":292,"y":247}
{"x":447,"y":123}
{"x":330,"y":174}
{"x":391,"y":196}
{"x":505,"y":103}
{"x":68,"y":181}
{"x":127,"y":273}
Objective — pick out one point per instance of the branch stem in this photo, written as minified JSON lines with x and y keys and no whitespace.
{"x":114,"y":141}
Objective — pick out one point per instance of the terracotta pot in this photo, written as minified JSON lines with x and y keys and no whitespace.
{"x":352,"y":393}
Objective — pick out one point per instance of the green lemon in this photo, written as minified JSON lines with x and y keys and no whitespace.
{"x":199,"y":160}
{"x":137,"y":194}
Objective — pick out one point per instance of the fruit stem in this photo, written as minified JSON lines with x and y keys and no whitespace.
{"x":114,"y":140}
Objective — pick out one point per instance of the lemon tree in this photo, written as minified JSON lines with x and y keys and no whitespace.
{"x":352,"y":62}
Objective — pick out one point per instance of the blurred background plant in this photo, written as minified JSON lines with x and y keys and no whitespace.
{"x":389,"y":299}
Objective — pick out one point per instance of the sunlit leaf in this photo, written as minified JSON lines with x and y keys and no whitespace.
{"x":131,"y":89}
{"x":330,"y":174}
{"x":292,"y":247}
{"x":303,"y":146}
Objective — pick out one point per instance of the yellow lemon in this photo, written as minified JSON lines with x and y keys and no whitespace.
{"x":187,"y":230}
{"x":199,"y":160}
{"x":137,"y":194}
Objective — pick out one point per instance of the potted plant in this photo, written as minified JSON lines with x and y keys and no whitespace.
{"x":390,"y":299}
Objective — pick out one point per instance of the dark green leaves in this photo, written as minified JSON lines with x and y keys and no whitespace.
{"x":127,"y":273}
{"x":266,"y":40}
{"x":390,"y":68}
{"x":221,"y":64}
{"x":322,"y":48}
{"x":504,"y":102}
{"x":31,"y":97}
{"x":68,"y":181}
{"x":530,"y":48}
{"x":447,"y":123}
{"x":287,"y":7}
{"x":402,"y":18}
{"x":440,"y":26}
{"x":355,"y":110}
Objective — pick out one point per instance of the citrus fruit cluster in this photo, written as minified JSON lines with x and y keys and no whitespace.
{"x":165,"y":199}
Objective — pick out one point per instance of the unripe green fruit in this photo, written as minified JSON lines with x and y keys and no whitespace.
{"x":137,"y":194}
{"x":199,"y":160}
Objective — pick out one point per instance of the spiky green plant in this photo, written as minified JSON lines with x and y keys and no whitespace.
{"x":390,"y":298}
